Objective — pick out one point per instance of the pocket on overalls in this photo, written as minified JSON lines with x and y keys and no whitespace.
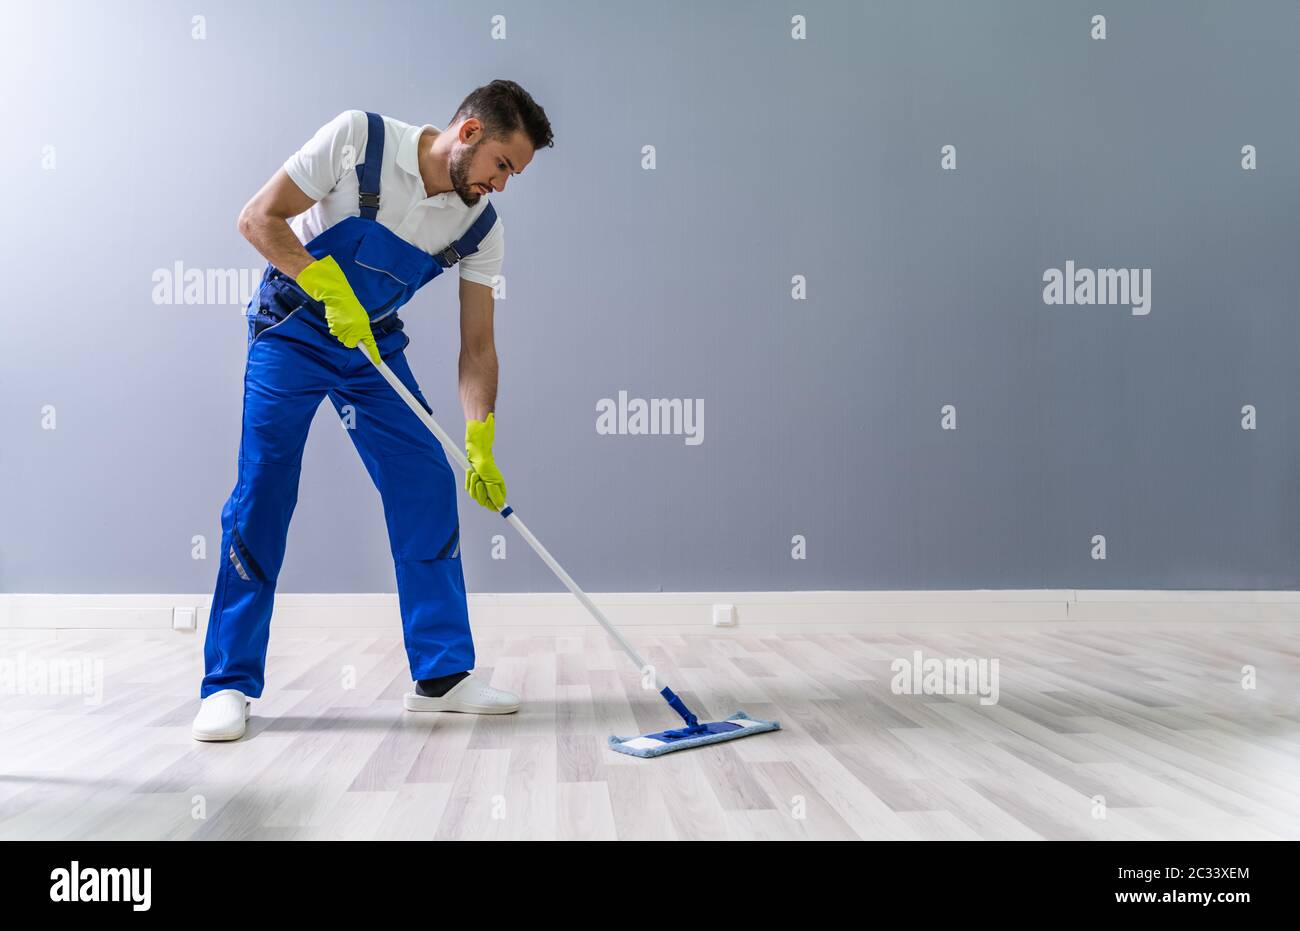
{"x":273,"y":309}
{"x":432,"y":546}
{"x":392,"y":266}
{"x":242,"y":560}
{"x":451,"y":550}
{"x":259,"y":322}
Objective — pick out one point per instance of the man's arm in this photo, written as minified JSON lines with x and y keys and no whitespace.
{"x":264,"y":222}
{"x":478,"y":352}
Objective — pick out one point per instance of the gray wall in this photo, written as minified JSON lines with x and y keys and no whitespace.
{"x":776,"y":158}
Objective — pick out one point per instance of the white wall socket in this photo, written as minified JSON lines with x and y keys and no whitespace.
{"x":724,"y":615}
{"x":184,"y":618}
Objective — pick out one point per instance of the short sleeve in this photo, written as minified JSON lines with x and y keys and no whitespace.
{"x":320,"y":164}
{"x":485,"y":264}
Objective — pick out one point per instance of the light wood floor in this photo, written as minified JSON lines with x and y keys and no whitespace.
{"x":1151,"y":718}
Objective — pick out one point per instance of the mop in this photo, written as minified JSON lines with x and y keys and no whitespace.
{"x":695,"y":733}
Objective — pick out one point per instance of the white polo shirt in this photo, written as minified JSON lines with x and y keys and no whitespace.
{"x":325,"y":169}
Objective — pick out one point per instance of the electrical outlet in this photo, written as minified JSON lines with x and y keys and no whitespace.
{"x":724,"y":615}
{"x":184,"y":618}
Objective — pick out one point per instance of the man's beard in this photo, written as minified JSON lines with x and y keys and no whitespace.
{"x":460,"y":176}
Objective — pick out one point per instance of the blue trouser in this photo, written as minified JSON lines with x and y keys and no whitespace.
{"x":291,"y":366}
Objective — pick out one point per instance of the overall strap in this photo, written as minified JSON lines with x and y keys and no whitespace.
{"x":469,"y":243}
{"x":368,"y":170}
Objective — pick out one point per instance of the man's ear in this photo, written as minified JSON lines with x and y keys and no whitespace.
{"x":470,"y":129}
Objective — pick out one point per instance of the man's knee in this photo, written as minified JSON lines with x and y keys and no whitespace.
{"x":257,"y":518}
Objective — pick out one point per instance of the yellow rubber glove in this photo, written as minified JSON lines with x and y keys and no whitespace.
{"x":483,"y":480}
{"x":348,"y":321}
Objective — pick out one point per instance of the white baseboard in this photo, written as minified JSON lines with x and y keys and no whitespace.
{"x":86,"y":614}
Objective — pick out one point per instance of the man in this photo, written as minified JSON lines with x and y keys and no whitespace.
{"x":363,"y":215}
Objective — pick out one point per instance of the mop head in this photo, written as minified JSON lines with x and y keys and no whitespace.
{"x":736,"y":726}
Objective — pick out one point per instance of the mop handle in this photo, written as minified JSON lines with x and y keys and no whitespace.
{"x":507,"y":512}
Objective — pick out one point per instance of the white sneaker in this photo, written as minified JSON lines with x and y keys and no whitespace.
{"x":470,"y":696}
{"x":222,"y":716}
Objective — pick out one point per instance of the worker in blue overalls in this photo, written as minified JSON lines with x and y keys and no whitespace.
{"x":352,"y":225}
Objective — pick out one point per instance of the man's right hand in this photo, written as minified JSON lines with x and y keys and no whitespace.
{"x":348,"y":321}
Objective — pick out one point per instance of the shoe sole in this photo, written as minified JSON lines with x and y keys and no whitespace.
{"x":414,"y":702}
{"x":231,"y":735}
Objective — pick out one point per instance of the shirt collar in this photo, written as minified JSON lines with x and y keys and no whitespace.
{"x":408,"y":155}
{"x":408,"y":159}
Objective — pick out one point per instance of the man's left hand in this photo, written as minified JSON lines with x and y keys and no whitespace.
{"x":483,"y":479}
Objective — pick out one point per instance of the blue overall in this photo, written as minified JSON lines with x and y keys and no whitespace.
{"x":293,"y":363}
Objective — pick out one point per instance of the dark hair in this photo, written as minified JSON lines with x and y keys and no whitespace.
{"x":504,"y":107}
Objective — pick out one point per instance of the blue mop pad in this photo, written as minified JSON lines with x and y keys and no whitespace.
{"x":738,"y":725}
